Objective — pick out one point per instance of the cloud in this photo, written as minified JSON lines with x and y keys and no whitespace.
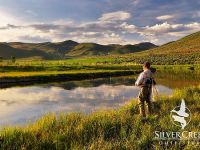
{"x":165,"y":17}
{"x":97,"y":31}
{"x":44,"y":27}
{"x":9,"y":26}
{"x":129,"y":21}
{"x":166,"y":28}
{"x":108,"y":28}
{"x":128,"y":27}
{"x":115,"y":16}
{"x":165,"y":32}
{"x":32,"y":38}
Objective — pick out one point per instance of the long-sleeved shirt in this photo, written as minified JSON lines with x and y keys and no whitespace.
{"x":143,"y":77}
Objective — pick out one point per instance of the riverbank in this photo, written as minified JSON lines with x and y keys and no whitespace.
{"x":52,"y":76}
{"x":38,"y":72}
{"x":53,"y":71}
{"x":111,"y":129}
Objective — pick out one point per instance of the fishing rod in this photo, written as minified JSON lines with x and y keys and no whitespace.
{"x":153,"y":70}
{"x":156,"y":92}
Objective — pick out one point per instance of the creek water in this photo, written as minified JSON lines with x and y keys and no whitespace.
{"x":22,"y":104}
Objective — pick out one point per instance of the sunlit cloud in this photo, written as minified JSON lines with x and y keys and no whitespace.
{"x":166,"y":28}
{"x":130,"y":23}
{"x":115,"y":16}
{"x":104,"y":33}
{"x":165,"y":17}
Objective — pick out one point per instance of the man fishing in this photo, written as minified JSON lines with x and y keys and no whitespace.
{"x":145,"y":81}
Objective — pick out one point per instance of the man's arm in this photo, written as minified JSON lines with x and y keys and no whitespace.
{"x":139,"y":80}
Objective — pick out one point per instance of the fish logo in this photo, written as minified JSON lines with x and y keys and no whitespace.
{"x":181,"y":115}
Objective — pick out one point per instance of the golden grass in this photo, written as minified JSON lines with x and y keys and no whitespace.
{"x":122,"y":128}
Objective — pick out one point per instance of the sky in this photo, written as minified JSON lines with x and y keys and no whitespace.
{"x":99,"y":21}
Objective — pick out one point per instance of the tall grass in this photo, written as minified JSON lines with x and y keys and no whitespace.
{"x":93,"y":63}
{"x":106,"y":129}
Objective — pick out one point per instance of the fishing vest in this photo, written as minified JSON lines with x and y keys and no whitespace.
{"x":148,"y":80}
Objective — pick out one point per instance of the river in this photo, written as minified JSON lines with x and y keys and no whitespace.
{"x":22,"y":104}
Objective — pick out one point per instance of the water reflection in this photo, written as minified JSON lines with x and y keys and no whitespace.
{"x":21,"y":104}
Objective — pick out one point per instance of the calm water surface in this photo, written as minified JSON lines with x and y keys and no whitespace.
{"x":22,"y":104}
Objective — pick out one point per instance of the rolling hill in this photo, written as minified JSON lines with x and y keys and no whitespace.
{"x":69,"y":48}
{"x":183,"y":51}
{"x":90,"y":49}
{"x":6,"y":52}
{"x":187,"y":44}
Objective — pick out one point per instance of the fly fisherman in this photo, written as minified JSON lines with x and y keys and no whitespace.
{"x":145,"y":81}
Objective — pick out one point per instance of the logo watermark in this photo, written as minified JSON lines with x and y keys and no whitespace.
{"x":180,"y":116}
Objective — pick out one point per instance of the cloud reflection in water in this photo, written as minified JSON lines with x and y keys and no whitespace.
{"x":18,"y":105}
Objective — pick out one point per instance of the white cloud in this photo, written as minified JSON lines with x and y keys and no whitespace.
{"x":32,"y":38}
{"x":115,"y":16}
{"x":109,"y":28}
{"x":127,"y":27}
{"x":165,"y":32}
{"x":100,"y":32}
{"x":164,"y":17}
{"x":166,"y":28}
{"x":158,"y":28}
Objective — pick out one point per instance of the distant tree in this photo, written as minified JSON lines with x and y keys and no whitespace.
{"x":13,"y":59}
{"x":1,"y":59}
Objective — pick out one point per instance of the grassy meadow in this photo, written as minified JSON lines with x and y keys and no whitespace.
{"x":121,"y":128}
{"x":87,"y":63}
{"x":76,"y":69}
{"x":106,"y":129}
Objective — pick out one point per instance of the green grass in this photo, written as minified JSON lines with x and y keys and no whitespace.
{"x":46,"y":73}
{"x":71,"y":64}
{"x":92,"y":63}
{"x":79,"y":68}
{"x":61,"y":70}
{"x":106,"y":129}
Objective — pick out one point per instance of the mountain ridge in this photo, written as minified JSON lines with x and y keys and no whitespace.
{"x":67,"y":48}
{"x":187,"y":44}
